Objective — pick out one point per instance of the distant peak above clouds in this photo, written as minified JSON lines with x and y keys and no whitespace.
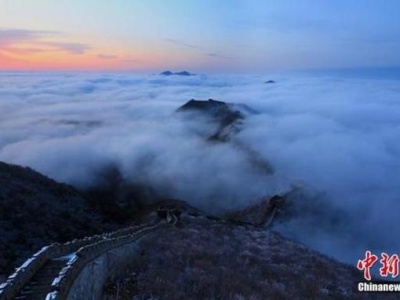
{"x":182,"y":73}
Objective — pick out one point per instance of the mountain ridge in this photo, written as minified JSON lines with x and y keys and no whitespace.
{"x":181,"y":73}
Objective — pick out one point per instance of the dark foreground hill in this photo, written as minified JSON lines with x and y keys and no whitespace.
{"x":35,"y":211}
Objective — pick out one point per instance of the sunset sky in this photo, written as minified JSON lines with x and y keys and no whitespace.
{"x":198,"y":35}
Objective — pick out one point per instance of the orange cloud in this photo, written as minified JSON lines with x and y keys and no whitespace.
{"x":57,"y":60}
{"x":27,"y":49}
{"x":46,"y":50}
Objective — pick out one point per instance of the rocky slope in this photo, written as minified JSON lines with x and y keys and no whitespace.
{"x":206,"y":258}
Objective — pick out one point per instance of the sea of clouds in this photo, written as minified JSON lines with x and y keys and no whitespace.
{"x":333,"y":137}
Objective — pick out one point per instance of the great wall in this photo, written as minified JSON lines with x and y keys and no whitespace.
{"x":80,"y":268}
{"x":77,"y":269}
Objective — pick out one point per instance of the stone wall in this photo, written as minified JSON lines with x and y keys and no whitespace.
{"x":86,"y":248}
{"x":87,"y":271}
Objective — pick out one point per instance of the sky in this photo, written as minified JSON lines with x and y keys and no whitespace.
{"x":198,"y":35}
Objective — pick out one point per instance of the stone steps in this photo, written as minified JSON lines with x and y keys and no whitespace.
{"x":40,"y":285}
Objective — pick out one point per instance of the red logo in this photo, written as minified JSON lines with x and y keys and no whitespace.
{"x":366,"y":264}
{"x":390,"y":264}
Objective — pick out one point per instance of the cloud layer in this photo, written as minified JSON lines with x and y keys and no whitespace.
{"x":335,"y":138}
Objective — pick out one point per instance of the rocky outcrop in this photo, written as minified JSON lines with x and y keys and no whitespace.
{"x":261,"y":214}
{"x":226,"y":118}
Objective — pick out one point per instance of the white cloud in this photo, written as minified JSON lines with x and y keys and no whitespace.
{"x":337,"y":137}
